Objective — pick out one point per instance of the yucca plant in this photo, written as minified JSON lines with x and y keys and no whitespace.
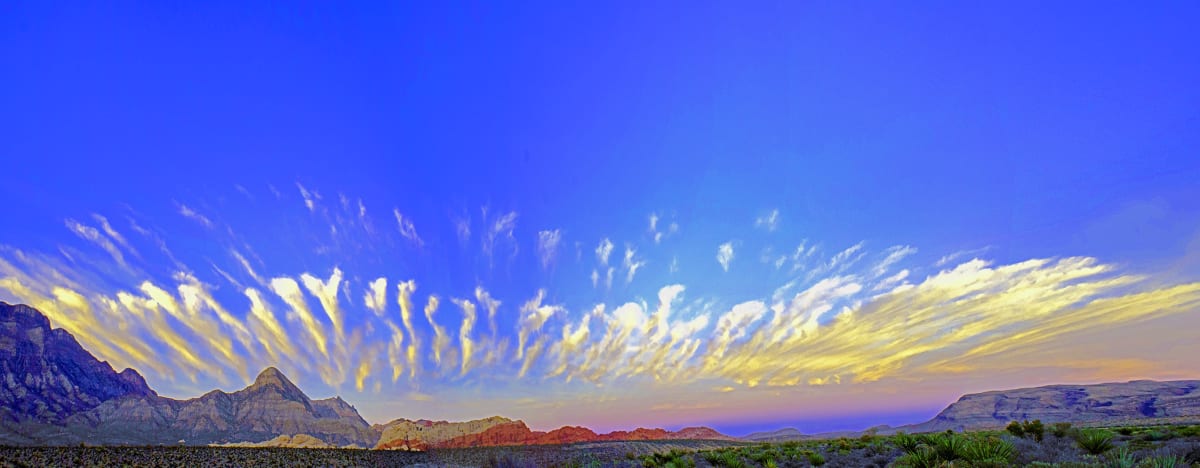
{"x":1095,"y":441}
{"x":949,"y":447}
{"x":989,"y":449}
{"x":906,"y":443}
{"x":1165,"y":461}
{"x":925,"y":457}
{"x":1121,"y":458}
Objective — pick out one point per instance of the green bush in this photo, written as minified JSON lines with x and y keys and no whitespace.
{"x":1034,"y":429}
{"x":1060,"y":429}
{"x":1015,"y":428}
{"x":1125,"y":431}
{"x":1157,"y":436}
{"x":1189,"y":431}
{"x":1095,"y":441}
{"x":816,"y":459}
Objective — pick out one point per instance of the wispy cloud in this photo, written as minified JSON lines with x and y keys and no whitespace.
{"x":407,"y":229}
{"x":310,"y":197}
{"x":658,"y":235}
{"x":500,"y":229}
{"x":93,"y":235}
{"x":769,"y":221}
{"x":547,"y":247}
{"x":189,"y":213}
{"x":725,"y":255}
{"x":603,"y":251}
{"x":466,"y":342}
{"x":631,"y":263}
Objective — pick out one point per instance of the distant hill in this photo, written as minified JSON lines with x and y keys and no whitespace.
{"x":787,"y":433}
{"x":1135,"y":401}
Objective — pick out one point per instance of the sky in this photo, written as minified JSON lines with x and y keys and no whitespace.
{"x":747,"y":216}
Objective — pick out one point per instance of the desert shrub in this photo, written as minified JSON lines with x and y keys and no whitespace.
{"x":816,"y":459}
{"x":1095,"y":441}
{"x":1156,"y":436}
{"x":1060,"y":429}
{"x":1165,"y":461}
{"x":730,"y":459}
{"x":1015,"y":428}
{"x":1051,"y":450}
{"x":878,"y":448}
{"x":1188,"y":431}
{"x":1125,"y":430}
{"x":630,"y":456}
{"x":1193,"y":455}
{"x":763,"y":455}
{"x":1121,"y":458}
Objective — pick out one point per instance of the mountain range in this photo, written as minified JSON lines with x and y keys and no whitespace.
{"x":53,"y":392}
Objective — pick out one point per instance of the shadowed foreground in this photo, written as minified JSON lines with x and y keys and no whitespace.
{"x":585,"y":454}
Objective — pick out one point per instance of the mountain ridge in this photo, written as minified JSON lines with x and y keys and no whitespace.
{"x":272,"y":411}
{"x":52,"y":391}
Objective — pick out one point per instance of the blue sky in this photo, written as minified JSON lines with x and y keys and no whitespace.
{"x":941,"y":134}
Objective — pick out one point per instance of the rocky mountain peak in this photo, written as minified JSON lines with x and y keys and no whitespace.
{"x":47,"y":375}
{"x":273,"y":377}
{"x":23,"y":316}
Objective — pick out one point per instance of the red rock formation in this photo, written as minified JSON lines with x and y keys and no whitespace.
{"x":513,"y":433}
{"x":568,"y":435}
{"x":517,"y":433}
